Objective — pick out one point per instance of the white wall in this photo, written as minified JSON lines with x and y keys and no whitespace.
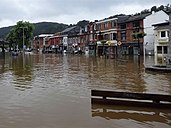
{"x":154,"y":18}
{"x":65,"y":41}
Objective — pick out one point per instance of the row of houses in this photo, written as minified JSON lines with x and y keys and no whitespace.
{"x":112,"y":36}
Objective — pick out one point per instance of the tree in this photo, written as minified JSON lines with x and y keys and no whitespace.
{"x":154,"y":8}
{"x":11,"y":39}
{"x":22,"y":31}
{"x":145,"y":11}
{"x":161,"y":7}
{"x":138,"y":36}
{"x":82,"y":23}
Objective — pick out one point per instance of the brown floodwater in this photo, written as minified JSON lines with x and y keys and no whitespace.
{"x":54,"y":91}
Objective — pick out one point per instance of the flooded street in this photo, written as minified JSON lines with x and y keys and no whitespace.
{"x":54,"y":91}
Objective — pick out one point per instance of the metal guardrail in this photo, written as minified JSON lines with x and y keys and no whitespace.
{"x":131,"y":99}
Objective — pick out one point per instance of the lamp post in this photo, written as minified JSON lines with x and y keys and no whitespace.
{"x":23,"y":36}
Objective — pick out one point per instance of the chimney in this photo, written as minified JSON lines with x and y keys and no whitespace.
{"x":153,"y":12}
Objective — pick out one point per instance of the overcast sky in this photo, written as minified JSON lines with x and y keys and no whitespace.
{"x":69,"y":11}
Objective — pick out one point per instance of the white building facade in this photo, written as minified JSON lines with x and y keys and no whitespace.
{"x":149,"y":39}
{"x":161,"y":44}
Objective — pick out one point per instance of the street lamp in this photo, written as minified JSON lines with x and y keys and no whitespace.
{"x":23,"y":36}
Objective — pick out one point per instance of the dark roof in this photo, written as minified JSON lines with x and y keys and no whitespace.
{"x":74,"y":30}
{"x":122,"y":19}
{"x":129,"y":18}
{"x":139,"y":17}
{"x":161,"y":24}
{"x":111,"y":17}
{"x":68,"y":29}
{"x":164,"y":25}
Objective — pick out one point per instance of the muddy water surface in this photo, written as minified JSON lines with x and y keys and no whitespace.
{"x":53,"y":91}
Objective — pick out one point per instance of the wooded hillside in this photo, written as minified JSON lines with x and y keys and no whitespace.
{"x":40,"y":28}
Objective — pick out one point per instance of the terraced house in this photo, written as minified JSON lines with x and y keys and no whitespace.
{"x":55,"y":43}
{"x":41,"y":41}
{"x":92,"y":37}
{"x":117,"y":33}
{"x":127,"y":26}
{"x":106,"y":30}
{"x":111,"y":36}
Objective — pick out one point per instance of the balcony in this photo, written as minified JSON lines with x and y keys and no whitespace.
{"x":163,"y":40}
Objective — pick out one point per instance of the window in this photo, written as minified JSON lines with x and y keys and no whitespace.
{"x":136,"y":24}
{"x":165,"y":49}
{"x":123,"y":35}
{"x":106,"y":36}
{"x":99,"y":26}
{"x":162,"y":49}
{"x":113,"y":24}
{"x":163,"y":34}
{"x":95,"y":36}
{"x":86,"y":28}
{"x":113,"y":36}
{"x":91,"y":36}
{"x":123,"y":26}
{"x":136,"y":30}
{"x":46,"y":42}
{"x":94,"y":26}
{"x":106,"y":25}
{"x":159,"y":49}
{"x":91,"y":28}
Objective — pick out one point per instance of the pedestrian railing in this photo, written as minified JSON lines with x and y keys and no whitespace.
{"x":131,"y":99}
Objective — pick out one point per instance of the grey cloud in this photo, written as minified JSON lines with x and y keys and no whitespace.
{"x":36,"y":10}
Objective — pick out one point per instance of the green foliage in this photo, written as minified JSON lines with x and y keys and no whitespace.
{"x":154,"y":8}
{"x":18,"y":32}
{"x":48,"y":28}
{"x":138,"y":35}
{"x":4,"y":31}
{"x":82,"y":23}
{"x":145,"y":11}
{"x":11,"y":38}
{"x":40,"y":28}
{"x":103,"y":41}
{"x":161,"y":7}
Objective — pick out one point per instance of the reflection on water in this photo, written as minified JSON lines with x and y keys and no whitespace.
{"x":21,"y":68}
{"x":142,"y":115}
{"x":49,"y":90}
{"x":2,"y":66}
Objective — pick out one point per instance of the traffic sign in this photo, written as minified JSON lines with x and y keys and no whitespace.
{"x":119,"y":42}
